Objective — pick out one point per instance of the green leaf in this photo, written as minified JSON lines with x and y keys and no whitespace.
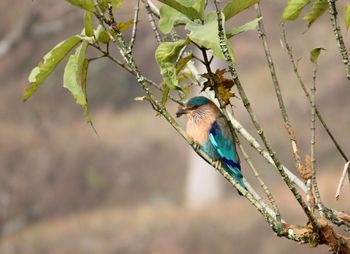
{"x":293,"y":9}
{"x":104,"y":4}
{"x":182,"y":62}
{"x":122,"y":26}
{"x":234,"y":7}
{"x":166,"y":56}
{"x":102,"y":35}
{"x":193,"y":9}
{"x":207,"y":35}
{"x":165,"y":94}
{"x":243,"y":28}
{"x":74,"y":78}
{"x":169,"y":17}
{"x":83,"y":4}
{"x":314,"y":54}
{"x":318,"y":8}
{"x":88,"y":24}
{"x":48,"y":64}
{"x":347,"y":15}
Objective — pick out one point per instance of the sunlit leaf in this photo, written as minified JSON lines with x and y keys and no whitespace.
{"x":182,"y":62}
{"x":165,"y":94}
{"x":233,"y":7}
{"x":318,"y":8}
{"x":169,"y":17}
{"x":102,"y":35}
{"x":122,"y":26}
{"x":83,"y":4}
{"x":193,"y":9}
{"x":293,"y":9}
{"x":166,"y":56}
{"x":314,"y":54}
{"x":207,"y":35}
{"x":74,"y":78}
{"x":88,"y":24}
{"x":243,"y":28}
{"x":48,"y":64}
{"x":347,"y":15}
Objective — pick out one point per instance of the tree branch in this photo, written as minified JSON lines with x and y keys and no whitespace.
{"x":338,"y":36}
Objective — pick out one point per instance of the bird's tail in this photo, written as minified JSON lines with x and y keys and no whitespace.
{"x":235,"y":172}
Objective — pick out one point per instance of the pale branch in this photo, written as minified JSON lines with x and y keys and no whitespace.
{"x":134,"y":29}
{"x":262,"y":34}
{"x":154,"y":9}
{"x":260,"y":131}
{"x":152,"y":22}
{"x":301,"y":82}
{"x":338,"y":36}
{"x":264,"y":153}
{"x":313,"y":144}
{"x":257,"y":176}
{"x":341,"y":180}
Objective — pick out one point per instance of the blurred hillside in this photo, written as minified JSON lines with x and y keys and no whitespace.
{"x":65,"y":190}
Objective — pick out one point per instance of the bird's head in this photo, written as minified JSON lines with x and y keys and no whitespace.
{"x":193,"y":106}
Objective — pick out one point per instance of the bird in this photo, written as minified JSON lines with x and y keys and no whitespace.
{"x":207,"y":127}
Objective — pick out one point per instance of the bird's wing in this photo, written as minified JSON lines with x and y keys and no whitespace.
{"x":221,"y":138}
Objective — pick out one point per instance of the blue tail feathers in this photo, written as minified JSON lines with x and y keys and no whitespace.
{"x":234,"y":169}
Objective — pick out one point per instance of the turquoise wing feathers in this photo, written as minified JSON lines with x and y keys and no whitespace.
{"x":220,"y":137}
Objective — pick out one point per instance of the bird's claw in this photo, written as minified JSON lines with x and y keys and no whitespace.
{"x":217,"y":164}
{"x":196,"y":147}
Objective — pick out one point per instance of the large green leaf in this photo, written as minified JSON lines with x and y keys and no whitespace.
{"x":207,"y":35}
{"x":318,"y":8}
{"x":169,"y":17}
{"x":48,"y":64}
{"x":83,"y":4}
{"x":293,"y":9}
{"x":347,"y":15}
{"x":234,"y":7}
{"x":166,"y":55}
{"x":74,"y":78}
{"x":88,"y":24}
{"x":193,"y":9}
{"x":243,"y":28}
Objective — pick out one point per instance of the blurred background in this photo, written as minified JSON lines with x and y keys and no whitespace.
{"x":131,"y":189}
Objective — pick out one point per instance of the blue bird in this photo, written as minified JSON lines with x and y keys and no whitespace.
{"x":208,"y":127}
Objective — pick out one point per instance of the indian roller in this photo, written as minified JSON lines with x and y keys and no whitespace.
{"x":208,"y":127}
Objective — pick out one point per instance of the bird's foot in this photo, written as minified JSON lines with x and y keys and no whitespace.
{"x":217,"y":164}
{"x":196,"y":147}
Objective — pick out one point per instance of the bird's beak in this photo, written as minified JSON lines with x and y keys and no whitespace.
{"x":181,"y":112}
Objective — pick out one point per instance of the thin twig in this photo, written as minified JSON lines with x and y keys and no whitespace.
{"x":341,"y":180}
{"x":338,"y":36}
{"x":313,"y":143}
{"x":99,"y":15}
{"x":251,"y":113}
{"x":151,"y":20}
{"x":301,"y":82}
{"x":287,"y":124}
{"x":257,"y":176}
{"x":134,"y":29}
